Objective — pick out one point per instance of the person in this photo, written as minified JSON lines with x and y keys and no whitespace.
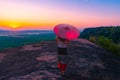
{"x":62,"y":45}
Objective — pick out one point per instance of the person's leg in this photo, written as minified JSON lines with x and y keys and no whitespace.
{"x":62,"y":56}
{"x":62,"y":63}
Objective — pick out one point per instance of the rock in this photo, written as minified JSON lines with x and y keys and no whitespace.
{"x":86,"y":61}
{"x":2,"y":55}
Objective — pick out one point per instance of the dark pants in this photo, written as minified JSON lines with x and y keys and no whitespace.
{"x":62,"y":58}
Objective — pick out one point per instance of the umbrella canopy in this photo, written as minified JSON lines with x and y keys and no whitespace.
{"x":66,"y":31}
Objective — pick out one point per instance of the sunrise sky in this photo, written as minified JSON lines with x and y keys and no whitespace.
{"x":45,"y":14}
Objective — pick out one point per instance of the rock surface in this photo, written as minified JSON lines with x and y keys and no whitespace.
{"x":86,"y":61}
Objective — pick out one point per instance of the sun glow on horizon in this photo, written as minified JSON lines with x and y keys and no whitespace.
{"x":13,"y":26}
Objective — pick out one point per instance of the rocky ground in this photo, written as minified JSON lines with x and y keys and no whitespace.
{"x":86,"y":61}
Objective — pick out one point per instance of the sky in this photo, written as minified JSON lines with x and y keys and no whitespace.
{"x":45,"y":14}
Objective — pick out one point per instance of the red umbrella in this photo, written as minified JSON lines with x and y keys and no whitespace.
{"x":66,"y":31}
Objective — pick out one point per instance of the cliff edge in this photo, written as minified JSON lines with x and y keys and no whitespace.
{"x":38,"y":61}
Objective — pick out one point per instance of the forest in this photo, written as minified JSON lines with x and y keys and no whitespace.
{"x":106,"y":37}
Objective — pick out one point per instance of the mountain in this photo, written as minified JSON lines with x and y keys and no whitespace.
{"x":112,"y":33}
{"x":38,"y":61}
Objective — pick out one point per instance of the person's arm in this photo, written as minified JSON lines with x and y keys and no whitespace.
{"x":66,"y":41}
{"x":57,"y":40}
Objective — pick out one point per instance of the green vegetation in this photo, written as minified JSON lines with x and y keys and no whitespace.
{"x":107,"y":37}
{"x":109,"y":32}
{"x":9,"y":41}
{"x":108,"y":45}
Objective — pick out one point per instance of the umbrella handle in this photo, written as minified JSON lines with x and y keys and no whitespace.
{"x":66,"y":41}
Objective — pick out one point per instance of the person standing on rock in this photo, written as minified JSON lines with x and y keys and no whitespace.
{"x":64,"y":33}
{"x":62,"y":45}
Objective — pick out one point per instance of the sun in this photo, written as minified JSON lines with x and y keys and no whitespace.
{"x":13,"y":26}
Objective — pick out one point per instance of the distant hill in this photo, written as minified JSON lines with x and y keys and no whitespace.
{"x":112,"y":33}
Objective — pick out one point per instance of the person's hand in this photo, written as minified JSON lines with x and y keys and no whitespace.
{"x":66,"y":41}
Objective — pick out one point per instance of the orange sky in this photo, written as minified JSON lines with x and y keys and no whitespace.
{"x":45,"y":14}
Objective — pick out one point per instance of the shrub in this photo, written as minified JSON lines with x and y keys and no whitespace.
{"x":108,"y":45}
